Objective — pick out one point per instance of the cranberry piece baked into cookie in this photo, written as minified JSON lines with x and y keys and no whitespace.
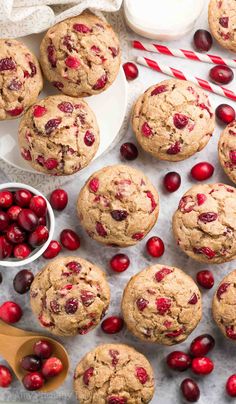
{"x":81,"y":55}
{"x":227,"y":150}
{"x":224,"y":304}
{"x":69,"y":296}
{"x":20,"y":78}
{"x":205,"y":223}
{"x":114,"y":374}
{"x":118,"y":205}
{"x":161,"y":304}
{"x":222,"y":21}
{"x":173,"y":120}
{"x":59,"y":135}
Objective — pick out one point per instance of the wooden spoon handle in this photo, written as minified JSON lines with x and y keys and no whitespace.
{"x":10,"y":330}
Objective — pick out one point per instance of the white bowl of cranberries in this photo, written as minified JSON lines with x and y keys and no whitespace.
{"x":26,"y":224}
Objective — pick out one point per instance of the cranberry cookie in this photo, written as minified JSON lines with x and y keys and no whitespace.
{"x":114,"y":374}
{"x":222,"y":21}
{"x":173,"y":120}
{"x":81,"y":55}
{"x":118,"y":205}
{"x":69,"y":296}
{"x":227,"y":151}
{"x":205,"y":223}
{"x":161,"y":304}
{"x":20,"y":78}
{"x":224,"y":305}
{"x":59,"y":135}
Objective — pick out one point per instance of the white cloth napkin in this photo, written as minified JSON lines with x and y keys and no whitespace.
{"x":24,"y":17}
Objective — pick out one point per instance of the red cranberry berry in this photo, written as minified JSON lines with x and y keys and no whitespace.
{"x":22,"y":281}
{"x":202,"y":40}
{"x":129,"y":151}
{"x":231,"y":386}
{"x":155,"y":247}
{"x":27,"y":219}
{"x":43,"y":349}
{"x":4,"y":220}
{"x":5,"y":376}
{"x":15,"y":234}
{"x":202,"y":171}
{"x":31,"y":363}
{"x":202,"y":365}
{"x":172,"y":181}
{"x":6,"y":199}
{"x":178,"y":360}
{"x":221,"y":74}
{"x":39,"y":236}
{"x":38,"y":205}
{"x":205,"y":279}
{"x":52,"y":367}
{"x":131,"y":71}
{"x":21,"y":251}
{"x":225,"y":113}
{"x":22,"y":198}
{"x":69,"y":239}
{"x":119,"y":262}
{"x":10,"y":312}
{"x":59,"y":199}
{"x":201,"y":345}
{"x":5,"y":248}
{"x":112,"y":325}
{"x":190,"y":390}
{"x":33,"y":381}
{"x":53,"y":250}
{"x":13,"y":212}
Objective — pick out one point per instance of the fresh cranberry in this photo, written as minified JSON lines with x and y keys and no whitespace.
{"x":42,"y":221}
{"x":222,"y":289}
{"x":112,"y":325}
{"x":7,"y":64}
{"x":221,"y":74}
{"x":231,"y":386}
{"x":13,"y":212}
{"x":142,"y":375}
{"x":131,"y":71}
{"x":69,"y":239}
{"x":52,"y":367}
{"x":89,"y":138}
{"x":23,"y":197}
{"x":74,"y":267}
{"x":119,"y":215}
{"x":5,"y":376}
{"x":163,"y":305}
{"x":33,"y":381}
{"x":129,"y":151}
{"x":224,"y":22}
{"x":53,"y":250}
{"x":120,"y":262}
{"x":208,"y":217}
{"x":59,"y":199}
{"x":202,"y":171}
{"x":155,"y":247}
{"x":21,"y":251}
{"x":71,"y":306}
{"x":51,"y":52}
{"x":225,"y":113}
{"x":87,"y":375}
{"x":15,"y":85}
{"x":66,"y":107}
{"x":159,"y":89}
{"x":87,"y":297}
{"x":72,"y":62}
{"x":101,"y":82}
{"x":10,"y":312}
{"x":202,"y":365}
{"x":5,"y":248}
{"x":15,"y":234}
{"x":39,"y":236}
{"x":146,"y":130}
{"x":16,"y":111}
{"x":201,"y":345}
{"x":82,"y":28}
{"x":43,"y":349}
{"x":116,"y":400}
{"x":22,"y":281}
{"x":202,"y":40}
{"x":205,"y":279}
{"x":178,"y":360}
{"x":142,"y":303}
{"x":39,"y":111}
{"x":4,"y":220}
{"x":190,"y":390}
{"x":180,"y":121}
{"x":27,"y":219}
{"x":175,"y":148}
{"x":38,"y":205}
{"x":6,"y":199}
{"x":162,"y":273}
{"x":51,"y":125}
{"x":172,"y":181}
{"x":31,"y":363}
{"x":94,"y":184}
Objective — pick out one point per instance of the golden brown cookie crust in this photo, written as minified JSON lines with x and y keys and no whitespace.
{"x":227,"y":150}
{"x":161,"y":304}
{"x":114,"y":371}
{"x":69,"y":296}
{"x":222,"y":21}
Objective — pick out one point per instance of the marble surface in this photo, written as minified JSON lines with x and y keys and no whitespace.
{"x":167,"y":383}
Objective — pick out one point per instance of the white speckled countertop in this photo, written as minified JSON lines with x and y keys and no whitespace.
{"x":167,"y":382}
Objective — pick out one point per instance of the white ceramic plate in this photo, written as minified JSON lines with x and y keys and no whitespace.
{"x":109,"y":108}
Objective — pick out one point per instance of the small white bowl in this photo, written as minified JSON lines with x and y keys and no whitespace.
{"x":38,"y":251}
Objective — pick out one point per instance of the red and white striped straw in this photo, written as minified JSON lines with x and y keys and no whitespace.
{"x":185,"y":54}
{"x":170,"y":71}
